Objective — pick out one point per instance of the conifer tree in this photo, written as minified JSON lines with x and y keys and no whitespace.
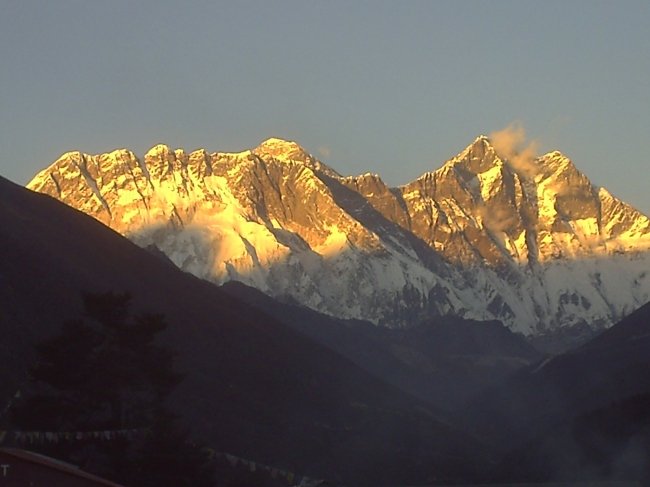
{"x":105,"y":372}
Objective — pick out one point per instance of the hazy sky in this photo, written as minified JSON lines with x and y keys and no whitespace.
{"x":389,"y":87}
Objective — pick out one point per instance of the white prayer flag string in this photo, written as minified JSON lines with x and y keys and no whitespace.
{"x":56,"y":436}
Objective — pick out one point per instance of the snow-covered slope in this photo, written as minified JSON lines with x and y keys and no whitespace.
{"x":534,"y":245}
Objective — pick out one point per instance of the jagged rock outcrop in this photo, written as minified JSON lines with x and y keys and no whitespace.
{"x":529,"y":242}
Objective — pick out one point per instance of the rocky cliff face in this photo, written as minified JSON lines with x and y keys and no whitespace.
{"x":531,"y":243}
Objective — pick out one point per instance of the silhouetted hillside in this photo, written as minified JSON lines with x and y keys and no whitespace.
{"x":252,"y":386}
{"x":579,"y":415}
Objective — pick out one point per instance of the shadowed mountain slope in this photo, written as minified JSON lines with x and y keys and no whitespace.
{"x":444,"y":361}
{"x":579,"y":415}
{"x":252,"y":386}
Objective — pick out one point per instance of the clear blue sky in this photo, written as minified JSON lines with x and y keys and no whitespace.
{"x":389,"y":87}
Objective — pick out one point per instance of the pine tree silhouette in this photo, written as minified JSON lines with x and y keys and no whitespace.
{"x":105,"y":372}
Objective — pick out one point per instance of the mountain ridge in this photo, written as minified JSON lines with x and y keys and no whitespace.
{"x":484,"y":236}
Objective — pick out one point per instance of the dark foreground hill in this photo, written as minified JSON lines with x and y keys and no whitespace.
{"x":253,"y":387}
{"x":582,"y":415}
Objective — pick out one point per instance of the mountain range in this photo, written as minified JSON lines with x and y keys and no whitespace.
{"x":490,"y":235}
{"x":342,"y":399}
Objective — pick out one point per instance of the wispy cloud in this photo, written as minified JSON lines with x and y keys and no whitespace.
{"x":511,"y":144}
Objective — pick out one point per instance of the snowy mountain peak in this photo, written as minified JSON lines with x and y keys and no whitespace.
{"x":287,"y":151}
{"x":158,"y":150}
{"x":282,"y":150}
{"x":70,"y":155}
{"x":477,"y":157}
{"x":482,"y":156}
{"x":555,"y":162}
{"x":481,"y":143}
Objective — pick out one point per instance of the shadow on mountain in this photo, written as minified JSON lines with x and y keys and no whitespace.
{"x":444,"y":361}
{"x":253,"y":387}
{"x":360,"y":209}
{"x":581,"y":415}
